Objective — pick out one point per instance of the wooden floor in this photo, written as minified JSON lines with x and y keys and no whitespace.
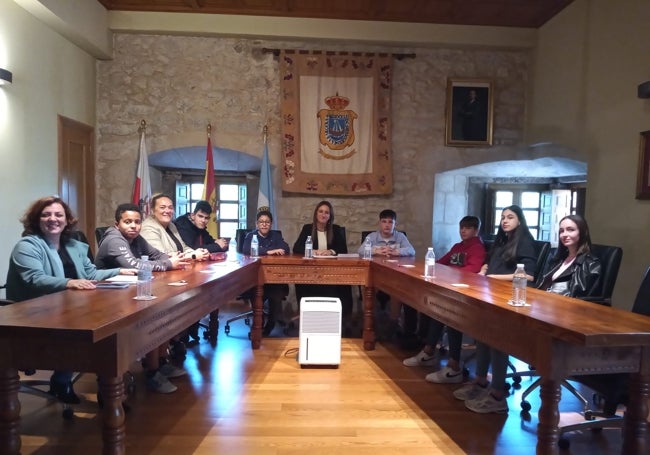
{"x":240,"y":401}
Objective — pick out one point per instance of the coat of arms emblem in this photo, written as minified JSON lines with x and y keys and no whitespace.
{"x":337,"y":127}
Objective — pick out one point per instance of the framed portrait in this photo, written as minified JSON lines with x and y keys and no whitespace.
{"x":643,"y":173}
{"x":469,"y":112}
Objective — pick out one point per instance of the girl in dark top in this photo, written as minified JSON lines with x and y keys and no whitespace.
{"x":329,"y":240}
{"x":513,"y":245}
{"x":271,"y":243}
{"x":574,"y":271}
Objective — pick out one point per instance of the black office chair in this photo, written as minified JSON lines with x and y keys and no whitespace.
{"x":610,"y":259}
{"x":99,"y":233}
{"x":248,"y":297}
{"x":611,"y":389}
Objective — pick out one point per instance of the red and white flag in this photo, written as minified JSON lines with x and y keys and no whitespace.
{"x":210,"y":190}
{"x":142,"y":186}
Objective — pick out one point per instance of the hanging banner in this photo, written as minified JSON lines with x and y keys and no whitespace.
{"x":336,"y":123}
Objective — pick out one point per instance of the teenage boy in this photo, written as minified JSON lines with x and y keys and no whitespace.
{"x":193,"y":229}
{"x":122,"y":244}
{"x":468,"y":255}
{"x":386,"y":241}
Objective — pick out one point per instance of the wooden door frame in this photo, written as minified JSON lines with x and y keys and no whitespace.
{"x":89,"y":169}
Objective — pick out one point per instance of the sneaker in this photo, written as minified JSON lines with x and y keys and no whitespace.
{"x":170,"y":370}
{"x":422,"y":359}
{"x":470,"y":391}
{"x":159,"y":383}
{"x":487,"y":404}
{"x":445,"y":376}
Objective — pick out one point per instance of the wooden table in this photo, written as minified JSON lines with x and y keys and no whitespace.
{"x":561,"y":336}
{"x":103,"y":331}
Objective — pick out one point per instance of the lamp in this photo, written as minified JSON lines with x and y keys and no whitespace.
{"x":5,"y":76}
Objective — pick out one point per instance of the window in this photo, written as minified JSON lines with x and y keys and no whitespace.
{"x":542,"y":205}
{"x":231,"y":203}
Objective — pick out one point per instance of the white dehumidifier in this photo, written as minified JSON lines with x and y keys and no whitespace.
{"x":320,"y":331}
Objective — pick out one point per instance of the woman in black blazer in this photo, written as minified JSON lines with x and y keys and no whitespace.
{"x":329,"y":240}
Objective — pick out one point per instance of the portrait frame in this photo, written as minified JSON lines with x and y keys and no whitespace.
{"x":469,"y":124}
{"x":643,"y":172}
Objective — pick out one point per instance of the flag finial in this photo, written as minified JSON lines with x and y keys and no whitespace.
{"x":143,"y":126}
{"x":209,"y":129}
{"x":265,"y":131}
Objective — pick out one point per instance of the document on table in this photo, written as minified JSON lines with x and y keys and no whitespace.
{"x":123,"y":279}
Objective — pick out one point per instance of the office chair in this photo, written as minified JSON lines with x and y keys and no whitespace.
{"x":99,"y":233}
{"x":248,"y":297}
{"x":610,"y":259}
{"x":611,"y":389}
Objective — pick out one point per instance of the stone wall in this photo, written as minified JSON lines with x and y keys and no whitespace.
{"x":179,"y":84}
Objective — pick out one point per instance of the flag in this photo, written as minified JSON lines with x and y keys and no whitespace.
{"x":142,"y":187}
{"x":210,"y":190}
{"x":265,"y":195}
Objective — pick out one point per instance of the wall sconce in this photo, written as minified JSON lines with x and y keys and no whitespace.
{"x":5,"y":76}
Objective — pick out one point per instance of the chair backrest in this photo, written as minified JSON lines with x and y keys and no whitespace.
{"x":542,"y":249}
{"x":240,"y":235}
{"x":610,"y":261}
{"x":79,"y":235}
{"x":642,"y":301}
{"x":99,"y":233}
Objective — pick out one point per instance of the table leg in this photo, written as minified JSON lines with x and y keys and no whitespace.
{"x":258,"y":317}
{"x":548,"y":433}
{"x":9,"y":412}
{"x":635,"y":424}
{"x":369,"y":318}
{"x":114,"y":430}
{"x":213,"y":326}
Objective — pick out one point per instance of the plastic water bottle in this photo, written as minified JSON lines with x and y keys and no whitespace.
{"x":367,"y":249}
{"x":309,"y":248}
{"x":143,"y":285}
{"x":232,"y":249}
{"x":519,"y":283}
{"x":429,"y":263}
{"x":255,"y":247}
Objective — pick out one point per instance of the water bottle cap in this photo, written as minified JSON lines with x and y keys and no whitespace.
{"x":144,"y":257}
{"x":521,"y":266}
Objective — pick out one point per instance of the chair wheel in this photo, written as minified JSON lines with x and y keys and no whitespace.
{"x":249,"y":335}
{"x":563,"y":443}
{"x":67,"y":414}
{"x":589,"y":415}
{"x":247,"y":321}
{"x":226,"y":329}
{"x":525,"y":405}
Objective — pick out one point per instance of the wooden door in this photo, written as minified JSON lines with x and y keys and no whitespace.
{"x":77,"y":172}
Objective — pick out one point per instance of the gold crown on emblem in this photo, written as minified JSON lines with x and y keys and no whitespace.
{"x":336,"y":102}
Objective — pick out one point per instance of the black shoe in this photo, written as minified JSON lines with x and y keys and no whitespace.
{"x":64,"y":392}
{"x":177,"y":350}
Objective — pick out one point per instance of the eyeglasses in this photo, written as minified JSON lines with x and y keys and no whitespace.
{"x":263,"y":221}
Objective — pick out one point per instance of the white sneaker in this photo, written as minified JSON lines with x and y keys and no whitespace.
{"x":470,"y":391}
{"x":487,"y":404}
{"x":422,"y":359}
{"x":159,"y":383}
{"x":170,"y":370}
{"x":445,"y":376}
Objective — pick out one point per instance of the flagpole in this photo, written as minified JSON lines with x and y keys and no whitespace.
{"x":265,"y":194}
{"x":209,"y":186}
